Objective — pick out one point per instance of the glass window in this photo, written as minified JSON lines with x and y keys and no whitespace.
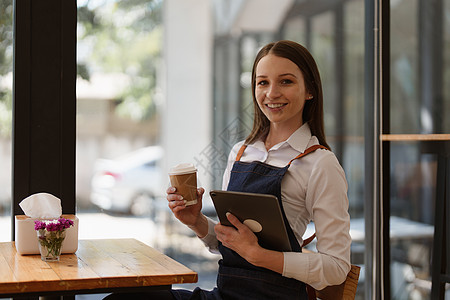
{"x":353,"y":105}
{"x":6,"y":55}
{"x":323,"y":49}
{"x":405,"y":94}
{"x":413,"y":192}
{"x":295,"y":29}
{"x":125,"y":95}
{"x":419,"y":102}
{"x":118,"y":129}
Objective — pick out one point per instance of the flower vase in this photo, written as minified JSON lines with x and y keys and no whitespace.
{"x":50,"y":243}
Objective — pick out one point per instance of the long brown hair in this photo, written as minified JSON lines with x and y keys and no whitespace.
{"x":313,"y":109}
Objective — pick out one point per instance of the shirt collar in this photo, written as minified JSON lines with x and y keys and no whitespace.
{"x":299,"y":140}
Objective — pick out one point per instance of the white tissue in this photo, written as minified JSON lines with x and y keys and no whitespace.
{"x":41,"y":206}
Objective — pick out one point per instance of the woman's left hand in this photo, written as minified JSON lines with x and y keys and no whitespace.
{"x":244,"y":242}
{"x":240,"y":239}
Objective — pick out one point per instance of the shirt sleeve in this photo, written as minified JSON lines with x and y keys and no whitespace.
{"x":326,"y":196}
{"x":210,"y":240}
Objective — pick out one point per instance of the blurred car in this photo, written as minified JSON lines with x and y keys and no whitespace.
{"x":129,"y":184}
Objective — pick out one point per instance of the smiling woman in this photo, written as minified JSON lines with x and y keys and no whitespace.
{"x":281,"y":95}
{"x":298,"y":78}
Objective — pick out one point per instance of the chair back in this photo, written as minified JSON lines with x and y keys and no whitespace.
{"x":343,"y":291}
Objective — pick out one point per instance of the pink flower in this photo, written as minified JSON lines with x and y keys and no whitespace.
{"x":39,"y":225}
{"x":55,"y":225}
{"x":65,"y":223}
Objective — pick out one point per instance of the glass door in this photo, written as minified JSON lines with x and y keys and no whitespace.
{"x":418,"y":131}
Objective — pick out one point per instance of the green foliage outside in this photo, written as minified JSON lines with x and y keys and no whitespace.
{"x":115,"y":36}
{"x":6,"y":53}
{"x":124,"y":37}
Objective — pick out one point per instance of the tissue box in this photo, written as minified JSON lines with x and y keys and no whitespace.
{"x":26,"y":237}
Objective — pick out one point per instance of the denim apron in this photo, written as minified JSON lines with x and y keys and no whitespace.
{"x":237,"y":278}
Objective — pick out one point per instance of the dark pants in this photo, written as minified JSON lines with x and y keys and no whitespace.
{"x":161,"y":295}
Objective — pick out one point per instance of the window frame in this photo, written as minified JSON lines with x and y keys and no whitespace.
{"x":44,"y":102}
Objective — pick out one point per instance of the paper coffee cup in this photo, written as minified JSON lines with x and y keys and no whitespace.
{"x":184,"y":178}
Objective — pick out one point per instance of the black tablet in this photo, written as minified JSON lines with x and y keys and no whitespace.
{"x":260,"y":212}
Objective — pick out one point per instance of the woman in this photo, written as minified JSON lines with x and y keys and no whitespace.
{"x":285,"y":155}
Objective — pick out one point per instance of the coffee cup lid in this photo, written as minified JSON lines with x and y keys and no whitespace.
{"x":183,"y":168}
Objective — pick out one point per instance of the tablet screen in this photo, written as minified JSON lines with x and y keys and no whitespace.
{"x":260,"y":212}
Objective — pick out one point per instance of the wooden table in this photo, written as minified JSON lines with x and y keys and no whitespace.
{"x":98,"y":266}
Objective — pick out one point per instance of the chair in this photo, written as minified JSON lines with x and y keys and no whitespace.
{"x":343,"y":291}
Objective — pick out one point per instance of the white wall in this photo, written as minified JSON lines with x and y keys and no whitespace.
{"x":187,"y":86}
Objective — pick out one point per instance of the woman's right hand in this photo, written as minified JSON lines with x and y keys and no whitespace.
{"x":188,"y":215}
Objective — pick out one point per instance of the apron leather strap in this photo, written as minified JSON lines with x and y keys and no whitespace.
{"x":308,"y":240}
{"x":241,"y":151}
{"x":307,"y":151}
{"x":311,"y":292}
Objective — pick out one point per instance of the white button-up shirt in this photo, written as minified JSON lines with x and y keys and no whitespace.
{"x":313,"y":189}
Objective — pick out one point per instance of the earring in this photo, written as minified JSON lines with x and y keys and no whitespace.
{"x":310,"y":97}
